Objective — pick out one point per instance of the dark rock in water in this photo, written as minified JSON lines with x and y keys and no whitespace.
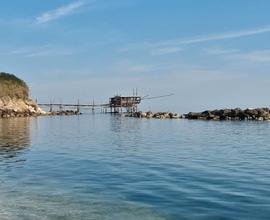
{"x":192,"y":115}
{"x":157,"y":115}
{"x":67,"y":112}
{"x":237,"y":114}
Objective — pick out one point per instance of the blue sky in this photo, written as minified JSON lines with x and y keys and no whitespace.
{"x":210,"y":54}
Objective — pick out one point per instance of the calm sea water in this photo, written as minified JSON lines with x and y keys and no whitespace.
{"x":110,"y":167}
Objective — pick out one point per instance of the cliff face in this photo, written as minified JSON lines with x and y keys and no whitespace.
{"x":14,"y":98}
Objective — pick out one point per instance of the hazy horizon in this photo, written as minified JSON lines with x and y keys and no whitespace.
{"x":210,"y":54}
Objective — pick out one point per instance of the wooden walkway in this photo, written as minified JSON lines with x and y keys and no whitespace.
{"x":78,"y":107}
{"x":116,"y":104}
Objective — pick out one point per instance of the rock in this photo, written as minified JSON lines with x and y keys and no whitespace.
{"x":193,"y":115}
{"x":237,"y":114}
{"x":157,"y":115}
{"x":16,"y":107}
{"x":66,"y":113}
{"x":260,"y":119}
{"x":175,"y":116}
{"x":143,"y":114}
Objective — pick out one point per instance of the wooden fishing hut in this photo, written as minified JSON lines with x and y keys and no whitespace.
{"x":118,"y":104}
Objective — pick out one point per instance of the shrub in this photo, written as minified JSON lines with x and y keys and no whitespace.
{"x":12,"y":86}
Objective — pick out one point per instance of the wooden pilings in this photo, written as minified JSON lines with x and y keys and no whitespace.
{"x":117,"y":104}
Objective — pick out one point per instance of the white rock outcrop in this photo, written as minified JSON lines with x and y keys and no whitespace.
{"x":12,"y":107}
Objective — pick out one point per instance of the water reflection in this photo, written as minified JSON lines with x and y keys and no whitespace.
{"x":121,"y":124}
{"x":14,"y":136}
{"x":127,"y":132}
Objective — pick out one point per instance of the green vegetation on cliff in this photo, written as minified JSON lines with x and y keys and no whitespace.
{"x":13,"y":87}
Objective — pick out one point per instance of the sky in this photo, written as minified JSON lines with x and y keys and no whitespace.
{"x":210,"y":54}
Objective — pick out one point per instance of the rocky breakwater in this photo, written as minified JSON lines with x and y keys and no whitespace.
{"x":14,"y":98}
{"x":66,"y":113}
{"x":157,"y":115}
{"x":258,"y":114}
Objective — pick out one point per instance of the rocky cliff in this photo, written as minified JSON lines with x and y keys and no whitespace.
{"x":14,"y":98}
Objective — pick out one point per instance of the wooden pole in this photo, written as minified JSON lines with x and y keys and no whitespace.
{"x":78,"y":106}
{"x":51,"y":106}
{"x":93,"y":107}
{"x":61,"y":106}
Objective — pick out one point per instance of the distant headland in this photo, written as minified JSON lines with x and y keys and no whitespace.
{"x":14,"y":98}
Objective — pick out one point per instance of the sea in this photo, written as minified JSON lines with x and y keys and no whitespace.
{"x":110,"y":167}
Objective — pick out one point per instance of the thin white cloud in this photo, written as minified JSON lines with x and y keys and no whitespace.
{"x":220,"y":36}
{"x":50,"y":52}
{"x":59,"y":12}
{"x":28,"y":50}
{"x":177,"y":43}
{"x":256,"y":56}
{"x":40,"y":51}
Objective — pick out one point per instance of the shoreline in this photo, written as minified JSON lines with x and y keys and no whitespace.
{"x":15,"y":114}
{"x":237,"y":114}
